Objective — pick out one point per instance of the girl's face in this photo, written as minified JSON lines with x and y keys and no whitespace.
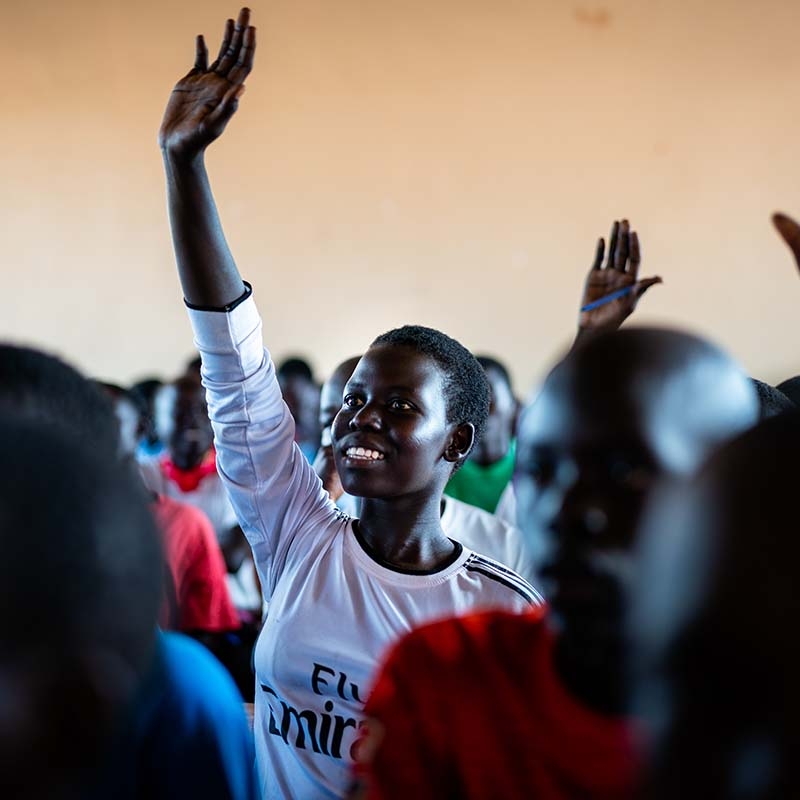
{"x":391,"y":434}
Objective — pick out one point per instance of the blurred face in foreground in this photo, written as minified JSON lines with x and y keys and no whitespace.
{"x":612,"y":420}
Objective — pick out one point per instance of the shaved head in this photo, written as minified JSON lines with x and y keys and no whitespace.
{"x":688,"y":393}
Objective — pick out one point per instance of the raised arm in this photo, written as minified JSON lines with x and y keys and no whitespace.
{"x":612,"y":290}
{"x":198,"y":110}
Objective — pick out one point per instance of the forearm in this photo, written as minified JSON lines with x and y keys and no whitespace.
{"x":585,"y":333}
{"x":208,"y":274}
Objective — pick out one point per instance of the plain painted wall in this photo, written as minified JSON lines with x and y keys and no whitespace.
{"x":450,"y":163}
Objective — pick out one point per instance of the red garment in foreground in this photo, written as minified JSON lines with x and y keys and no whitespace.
{"x":472,"y":708}
{"x":197,"y":567}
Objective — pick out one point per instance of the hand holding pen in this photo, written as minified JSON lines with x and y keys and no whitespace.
{"x":613,"y":290}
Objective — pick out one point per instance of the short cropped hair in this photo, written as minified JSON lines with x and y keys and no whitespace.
{"x":791,"y":388}
{"x":466,"y":387}
{"x":771,"y":400}
{"x":295,"y":367}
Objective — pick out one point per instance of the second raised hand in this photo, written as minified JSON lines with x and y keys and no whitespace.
{"x":204,"y":100}
{"x":612,"y":291}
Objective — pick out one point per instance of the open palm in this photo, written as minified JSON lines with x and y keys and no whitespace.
{"x":202,"y":103}
{"x":612,"y":291}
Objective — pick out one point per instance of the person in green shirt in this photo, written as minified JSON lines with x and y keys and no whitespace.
{"x":486,"y":473}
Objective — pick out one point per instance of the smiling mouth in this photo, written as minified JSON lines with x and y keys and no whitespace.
{"x":363,"y":454}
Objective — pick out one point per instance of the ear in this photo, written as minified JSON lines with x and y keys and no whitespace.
{"x":460,"y":443}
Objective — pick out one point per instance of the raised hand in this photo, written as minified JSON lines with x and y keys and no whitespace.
{"x":790,"y":233}
{"x":202,"y":103}
{"x":612,"y":291}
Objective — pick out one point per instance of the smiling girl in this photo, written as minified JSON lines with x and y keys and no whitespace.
{"x":339,"y":590}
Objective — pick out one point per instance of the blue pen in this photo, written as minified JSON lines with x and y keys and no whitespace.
{"x":608,"y":298}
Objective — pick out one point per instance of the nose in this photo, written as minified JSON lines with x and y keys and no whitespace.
{"x":366,"y":417}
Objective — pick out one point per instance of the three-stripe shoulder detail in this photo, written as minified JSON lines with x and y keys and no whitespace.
{"x":502,"y":574}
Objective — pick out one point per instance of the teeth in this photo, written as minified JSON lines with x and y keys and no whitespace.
{"x":361,"y":452}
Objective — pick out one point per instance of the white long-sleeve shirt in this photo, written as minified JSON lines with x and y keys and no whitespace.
{"x":333,"y":610}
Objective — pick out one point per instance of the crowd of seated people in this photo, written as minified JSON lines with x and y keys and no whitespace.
{"x":235,"y":582}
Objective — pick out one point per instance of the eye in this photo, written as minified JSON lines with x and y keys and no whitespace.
{"x":396,"y":404}
{"x":352,"y":401}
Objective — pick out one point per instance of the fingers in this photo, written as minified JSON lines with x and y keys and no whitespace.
{"x":612,"y":244}
{"x":599,"y":253}
{"x":634,"y":254}
{"x":642,"y":286}
{"x":621,"y":251}
{"x":247,"y":52}
{"x":790,"y":233}
{"x":227,"y":35}
{"x":200,"y":54}
{"x":243,"y":20}
{"x":231,"y":55}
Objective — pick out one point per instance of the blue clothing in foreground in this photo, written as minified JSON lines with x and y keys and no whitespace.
{"x":187,"y":736}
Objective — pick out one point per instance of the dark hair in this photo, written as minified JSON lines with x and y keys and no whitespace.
{"x":41,"y":388}
{"x":143,"y":394}
{"x":194,"y":364}
{"x":146,"y":388}
{"x":791,"y":388}
{"x":118,"y":393}
{"x":487,"y":362}
{"x":466,"y":388}
{"x":295,"y":367}
{"x":771,"y":401}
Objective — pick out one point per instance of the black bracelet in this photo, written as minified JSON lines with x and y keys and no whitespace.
{"x":248,"y":290}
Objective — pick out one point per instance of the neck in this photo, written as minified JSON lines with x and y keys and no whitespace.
{"x":594,"y":674}
{"x":405,"y":532}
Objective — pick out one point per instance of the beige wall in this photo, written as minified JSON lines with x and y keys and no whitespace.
{"x":449,"y":162}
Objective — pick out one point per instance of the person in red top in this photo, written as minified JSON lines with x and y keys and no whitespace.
{"x":197,"y":568}
{"x":536,"y":706}
{"x":473,"y":708}
{"x":198,"y":600}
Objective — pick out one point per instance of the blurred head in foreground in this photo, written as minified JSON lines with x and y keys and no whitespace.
{"x":79,"y":593}
{"x":714,"y":614}
{"x":614,"y":418}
